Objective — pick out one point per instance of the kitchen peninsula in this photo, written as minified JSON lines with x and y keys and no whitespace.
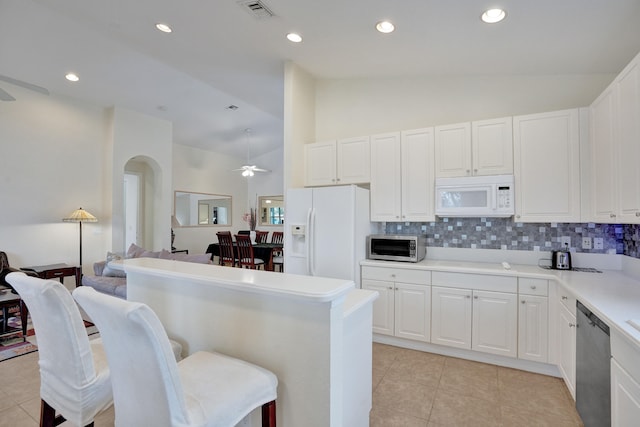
{"x":314,"y":334}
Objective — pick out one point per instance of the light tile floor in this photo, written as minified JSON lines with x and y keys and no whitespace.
{"x":410,"y":389}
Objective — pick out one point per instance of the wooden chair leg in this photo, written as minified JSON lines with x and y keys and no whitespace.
{"x":47,"y":415}
{"x":269,"y":414}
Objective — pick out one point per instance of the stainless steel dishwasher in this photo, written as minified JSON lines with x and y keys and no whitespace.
{"x":593,"y":369}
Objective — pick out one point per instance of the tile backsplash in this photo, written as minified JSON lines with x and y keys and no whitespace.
{"x":504,"y":233}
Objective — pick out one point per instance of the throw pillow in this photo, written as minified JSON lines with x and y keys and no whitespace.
{"x":134,"y":251}
{"x":113,"y":272}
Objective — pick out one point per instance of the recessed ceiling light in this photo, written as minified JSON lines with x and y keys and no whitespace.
{"x":385,"y":27}
{"x":72,"y":77}
{"x":492,"y":16}
{"x":293,"y":37}
{"x":163,"y":27}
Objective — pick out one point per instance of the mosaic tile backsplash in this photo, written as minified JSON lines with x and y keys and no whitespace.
{"x":504,"y":233}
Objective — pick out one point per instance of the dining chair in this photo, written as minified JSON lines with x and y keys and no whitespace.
{"x":277,"y":237}
{"x":74,"y":376}
{"x":278,"y":255}
{"x":245,"y":253}
{"x":261,"y":236}
{"x":227,"y":252}
{"x":151,"y":389}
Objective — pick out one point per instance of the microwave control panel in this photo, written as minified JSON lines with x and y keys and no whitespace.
{"x":504,"y":197}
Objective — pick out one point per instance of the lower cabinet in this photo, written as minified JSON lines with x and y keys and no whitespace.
{"x":403,"y":309}
{"x":476,"y":320}
{"x":625,"y":397}
{"x":566,"y":330}
{"x":533,"y":319}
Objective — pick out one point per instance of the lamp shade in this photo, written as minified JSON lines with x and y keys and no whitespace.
{"x":80,"y":215}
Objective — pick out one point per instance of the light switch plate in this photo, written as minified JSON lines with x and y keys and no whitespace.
{"x":586,"y":243}
{"x":565,"y":241}
{"x":598,"y":243}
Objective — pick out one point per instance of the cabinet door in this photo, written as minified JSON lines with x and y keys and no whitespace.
{"x":320,"y":164}
{"x":495,"y":320}
{"x":383,"y":307}
{"x":412,"y":311}
{"x":417,"y":175}
{"x":603,"y":156}
{"x":353,"y":161}
{"x":492,"y":146}
{"x":567,"y":343}
{"x":453,"y":150}
{"x":533,"y":324}
{"x":451,"y":317}
{"x":385,"y":177}
{"x":547,"y":167}
{"x":629,"y":143}
{"x":625,"y":397}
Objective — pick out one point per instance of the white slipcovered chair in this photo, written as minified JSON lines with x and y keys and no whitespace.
{"x":74,"y":376}
{"x":151,"y":389}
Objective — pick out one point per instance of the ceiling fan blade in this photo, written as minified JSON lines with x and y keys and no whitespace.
{"x":4,"y":96}
{"x":261,"y":170}
{"x":25,"y":85}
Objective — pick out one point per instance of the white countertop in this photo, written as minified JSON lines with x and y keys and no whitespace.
{"x":611,"y":295}
{"x":310,"y":289}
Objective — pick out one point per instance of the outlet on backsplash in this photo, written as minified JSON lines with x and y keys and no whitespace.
{"x":565,"y":241}
{"x":598,"y":243}
{"x":586,"y":243}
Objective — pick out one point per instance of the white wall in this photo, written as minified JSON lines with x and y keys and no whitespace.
{"x":299,"y":121}
{"x":51,"y":163}
{"x":356,"y":107}
{"x":204,"y":171}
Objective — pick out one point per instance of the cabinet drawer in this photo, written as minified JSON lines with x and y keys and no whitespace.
{"x":419,"y":277}
{"x":483,"y":282}
{"x":528,"y":286}
{"x":567,"y":299}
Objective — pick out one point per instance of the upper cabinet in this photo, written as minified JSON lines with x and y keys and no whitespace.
{"x":482,"y":147}
{"x":615,"y":149}
{"x":547,"y":166}
{"x":402,"y":176}
{"x":345,"y":161}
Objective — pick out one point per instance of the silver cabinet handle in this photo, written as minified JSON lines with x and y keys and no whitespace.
{"x":393,"y":275}
{"x":564,"y":298}
{"x":637,"y":213}
{"x":475,"y":170}
{"x":572,"y":325}
{"x":468,"y":296}
{"x":517,"y":216}
{"x":390,"y":288}
{"x":523,"y":302}
{"x":475,"y":297}
{"x":396,"y":289}
{"x":533,"y":287}
{"x":612,"y":215}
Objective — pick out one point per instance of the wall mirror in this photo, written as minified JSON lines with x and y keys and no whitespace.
{"x":271,"y":210}
{"x":194,"y":209}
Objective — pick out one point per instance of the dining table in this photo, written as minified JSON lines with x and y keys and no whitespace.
{"x":263,"y":251}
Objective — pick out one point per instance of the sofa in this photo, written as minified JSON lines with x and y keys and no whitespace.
{"x":113,"y":281}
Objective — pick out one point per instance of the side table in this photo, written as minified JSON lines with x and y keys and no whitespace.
{"x":8,"y":300}
{"x":53,"y":271}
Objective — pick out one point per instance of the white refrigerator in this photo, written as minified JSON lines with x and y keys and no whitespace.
{"x":326,"y":230}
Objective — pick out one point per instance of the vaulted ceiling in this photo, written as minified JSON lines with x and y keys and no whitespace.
{"x":219,"y":54}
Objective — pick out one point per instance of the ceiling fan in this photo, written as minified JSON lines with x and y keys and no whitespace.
{"x":249,"y":170}
{"x":6,"y":96}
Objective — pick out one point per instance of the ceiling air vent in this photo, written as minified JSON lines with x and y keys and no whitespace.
{"x":256,"y":8}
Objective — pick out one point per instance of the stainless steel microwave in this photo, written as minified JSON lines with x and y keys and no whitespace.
{"x":396,"y":247}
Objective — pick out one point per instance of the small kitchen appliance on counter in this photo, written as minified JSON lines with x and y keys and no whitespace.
{"x":396,"y":247}
{"x":561,"y":260}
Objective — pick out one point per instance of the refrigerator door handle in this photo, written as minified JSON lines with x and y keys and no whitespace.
{"x":312,"y":243}
{"x":308,"y":242}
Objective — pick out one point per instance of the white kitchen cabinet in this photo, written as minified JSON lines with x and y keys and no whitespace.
{"x":625,"y":397}
{"x":547,"y":166}
{"x":345,"y":161}
{"x":403,"y":308}
{"x":533,"y":319}
{"x":533,"y":324}
{"x":495,"y":323}
{"x":473,"y":311}
{"x":483,"y":147}
{"x":402,"y":176}
{"x":604,"y":198}
{"x":614,"y":136}
{"x":566,"y":334}
{"x":451,"y":317}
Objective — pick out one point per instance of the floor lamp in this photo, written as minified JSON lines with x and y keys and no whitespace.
{"x":80,"y":216}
